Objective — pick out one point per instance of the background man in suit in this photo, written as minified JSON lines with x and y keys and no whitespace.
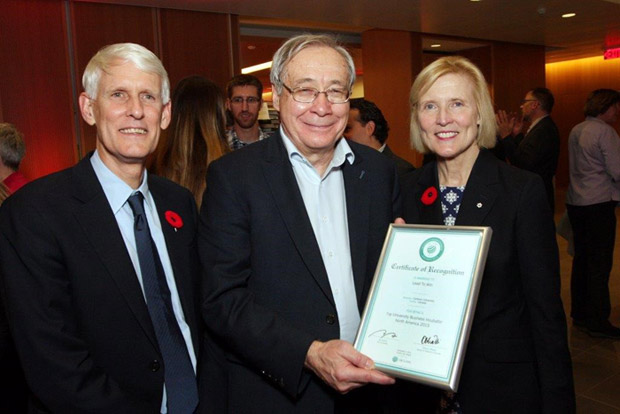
{"x":539,"y":148}
{"x":91,"y":333}
{"x":367,"y":126}
{"x":291,"y":231}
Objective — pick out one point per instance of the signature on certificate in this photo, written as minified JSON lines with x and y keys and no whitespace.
{"x":382,"y":333}
{"x":429,"y":340}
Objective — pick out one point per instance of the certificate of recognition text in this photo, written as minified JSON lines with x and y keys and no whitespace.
{"x":418,"y":315}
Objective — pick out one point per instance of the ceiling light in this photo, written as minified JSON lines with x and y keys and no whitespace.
{"x":256,"y":68}
{"x":567,"y":15}
{"x":437,"y":44}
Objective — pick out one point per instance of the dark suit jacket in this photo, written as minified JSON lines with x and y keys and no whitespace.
{"x":402,"y":166}
{"x":517,"y":358}
{"x":538,"y":151}
{"x":266,"y":291}
{"x":75,"y":306}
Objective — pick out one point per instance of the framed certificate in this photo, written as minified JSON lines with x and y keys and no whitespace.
{"x":422,"y":300}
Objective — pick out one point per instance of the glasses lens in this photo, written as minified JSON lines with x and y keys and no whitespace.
{"x":308,"y":95}
{"x":238,"y":100}
{"x":337,"y":95}
{"x":305,"y":95}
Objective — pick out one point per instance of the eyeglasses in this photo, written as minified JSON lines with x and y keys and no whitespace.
{"x":308,"y":95}
{"x":524,"y":101}
{"x":251,"y":100}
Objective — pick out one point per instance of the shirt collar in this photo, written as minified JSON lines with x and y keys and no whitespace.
{"x":342,"y":152}
{"x":116,"y":190}
{"x":533,"y":124}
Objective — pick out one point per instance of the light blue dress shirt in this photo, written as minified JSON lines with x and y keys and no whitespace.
{"x":326,"y":205}
{"x":117,"y":192}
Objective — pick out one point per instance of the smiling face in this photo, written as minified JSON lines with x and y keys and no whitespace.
{"x":129,"y":115}
{"x":448,"y":117}
{"x":314,"y":127}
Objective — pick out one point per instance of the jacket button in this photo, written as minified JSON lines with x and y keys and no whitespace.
{"x":330,"y":319}
{"x":155,"y":366}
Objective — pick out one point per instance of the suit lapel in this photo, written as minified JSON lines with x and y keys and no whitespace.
{"x":430,"y":212}
{"x":101,"y":229}
{"x":479,"y":196}
{"x":285,"y":191}
{"x":358,"y":205}
{"x":480,"y":193}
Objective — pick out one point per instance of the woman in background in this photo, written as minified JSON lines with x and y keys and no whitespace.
{"x":517,"y":358}
{"x":196,"y":135}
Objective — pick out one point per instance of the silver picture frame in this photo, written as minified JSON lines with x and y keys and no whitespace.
{"x":422,"y":301}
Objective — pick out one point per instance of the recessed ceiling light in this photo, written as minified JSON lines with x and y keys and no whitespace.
{"x":567,"y":15}
{"x":475,"y":0}
{"x":436,"y":45}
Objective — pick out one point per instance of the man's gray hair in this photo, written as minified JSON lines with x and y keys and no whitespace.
{"x":296,"y":44}
{"x":140,"y":56}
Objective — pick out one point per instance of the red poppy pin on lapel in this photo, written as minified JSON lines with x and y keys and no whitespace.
{"x":429,"y":196}
{"x":174,"y":219}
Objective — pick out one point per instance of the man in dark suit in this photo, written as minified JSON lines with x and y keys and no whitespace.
{"x":538,"y":149}
{"x":91,"y":334}
{"x":368,"y":126}
{"x":291,"y":232}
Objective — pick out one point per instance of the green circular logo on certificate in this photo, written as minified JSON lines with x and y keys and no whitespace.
{"x":431,"y":249}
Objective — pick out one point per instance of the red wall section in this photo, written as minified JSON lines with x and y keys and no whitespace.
{"x":35,"y":83}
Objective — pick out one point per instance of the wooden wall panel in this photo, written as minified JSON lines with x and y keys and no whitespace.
{"x":516,"y":69}
{"x":96,"y":25}
{"x":35,"y":83}
{"x":483,"y":58}
{"x":392,"y":59}
{"x":198,"y":43}
{"x":571,"y":82}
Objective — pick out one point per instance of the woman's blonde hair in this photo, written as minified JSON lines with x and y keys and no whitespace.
{"x":458,"y":65}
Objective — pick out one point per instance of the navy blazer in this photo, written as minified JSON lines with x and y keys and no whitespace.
{"x":517,"y":358}
{"x":266,"y":290}
{"x":78,"y":316}
{"x":537,"y":151}
{"x":402,"y":166}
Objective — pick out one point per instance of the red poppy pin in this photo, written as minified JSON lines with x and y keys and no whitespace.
{"x":429,"y":196}
{"x":174,"y":220}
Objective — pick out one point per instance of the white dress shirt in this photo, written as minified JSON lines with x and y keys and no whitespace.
{"x":117,"y":192}
{"x":325,"y":202}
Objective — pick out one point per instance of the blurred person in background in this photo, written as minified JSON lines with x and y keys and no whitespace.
{"x":196,"y":135}
{"x":368,"y":126}
{"x":538,"y":149}
{"x":12,"y":151}
{"x":245,"y":97}
{"x":593,"y":193}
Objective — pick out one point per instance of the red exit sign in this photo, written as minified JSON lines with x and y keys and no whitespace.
{"x":612,"y":53}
